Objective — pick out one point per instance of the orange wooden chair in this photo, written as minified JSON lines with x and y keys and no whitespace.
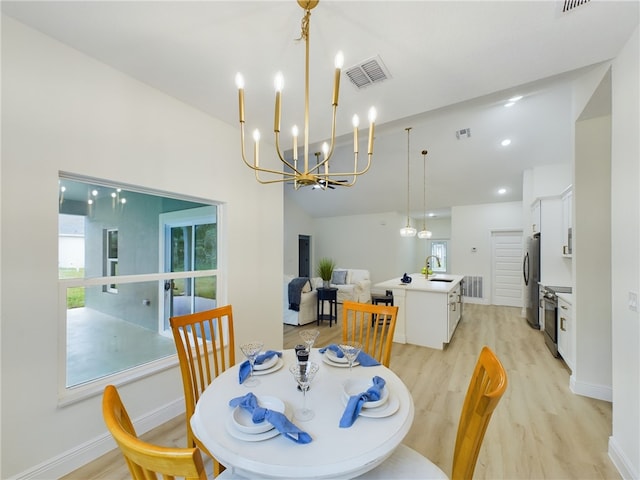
{"x":488,"y":384}
{"x":206,"y":347}
{"x":146,"y":460}
{"x":372,"y":326}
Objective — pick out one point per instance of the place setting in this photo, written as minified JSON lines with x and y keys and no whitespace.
{"x":258,"y":363}
{"x":367,"y":398}
{"x":347,"y":355}
{"x":255,"y":419}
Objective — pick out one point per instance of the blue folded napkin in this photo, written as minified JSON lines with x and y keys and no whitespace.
{"x":250,"y":403}
{"x":245,"y":367}
{"x":363,"y":358}
{"x":355,"y":403}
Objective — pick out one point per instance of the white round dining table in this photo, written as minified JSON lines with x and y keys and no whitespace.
{"x":334,"y":452}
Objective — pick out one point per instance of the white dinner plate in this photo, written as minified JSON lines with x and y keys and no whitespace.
{"x":250,"y":437}
{"x":386,"y":410}
{"x":328,"y":361}
{"x":356,"y":386}
{"x":243,"y":421}
{"x":266,"y":364}
{"x":333,"y":356}
{"x":275,"y":367}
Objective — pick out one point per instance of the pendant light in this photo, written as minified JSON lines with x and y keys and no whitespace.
{"x":408,"y":231}
{"x":424,"y":234}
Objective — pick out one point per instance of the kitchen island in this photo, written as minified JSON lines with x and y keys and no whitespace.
{"x":428,"y":310}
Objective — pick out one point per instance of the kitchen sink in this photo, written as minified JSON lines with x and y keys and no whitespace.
{"x":448,"y":280}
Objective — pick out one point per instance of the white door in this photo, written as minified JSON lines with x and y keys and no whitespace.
{"x":506,"y":278}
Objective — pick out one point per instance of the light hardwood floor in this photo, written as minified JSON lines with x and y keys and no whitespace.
{"x":539,"y":430}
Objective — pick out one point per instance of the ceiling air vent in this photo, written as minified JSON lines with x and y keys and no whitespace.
{"x":464,"y":133}
{"x":368,"y":72}
{"x":569,"y":5}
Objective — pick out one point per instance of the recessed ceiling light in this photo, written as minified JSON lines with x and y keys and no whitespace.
{"x":516,"y":98}
{"x":502,"y":191}
{"x":432,"y":215}
{"x":510,"y":104}
{"x":505,"y":142}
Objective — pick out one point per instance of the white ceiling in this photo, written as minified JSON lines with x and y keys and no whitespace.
{"x":453,"y":65}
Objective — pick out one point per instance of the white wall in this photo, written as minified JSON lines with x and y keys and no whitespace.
{"x":370,"y":242}
{"x":298,"y":222}
{"x":624,"y":444}
{"x":471,"y":227}
{"x":62,"y":111}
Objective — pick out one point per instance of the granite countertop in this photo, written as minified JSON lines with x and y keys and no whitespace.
{"x":420,"y":283}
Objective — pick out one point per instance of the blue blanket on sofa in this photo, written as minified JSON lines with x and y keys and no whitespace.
{"x":295,"y":292}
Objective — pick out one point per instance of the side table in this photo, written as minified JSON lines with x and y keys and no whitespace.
{"x":329,"y":295}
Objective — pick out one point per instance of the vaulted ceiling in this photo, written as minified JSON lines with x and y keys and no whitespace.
{"x":451,"y":65}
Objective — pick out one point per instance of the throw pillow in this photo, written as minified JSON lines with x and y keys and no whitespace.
{"x":307,"y":287}
{"x":339,"y":277}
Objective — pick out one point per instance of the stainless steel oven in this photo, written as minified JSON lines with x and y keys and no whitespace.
{"x":550,"y":303}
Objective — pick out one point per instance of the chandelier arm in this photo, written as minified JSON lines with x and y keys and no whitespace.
{"x":282,"y":159}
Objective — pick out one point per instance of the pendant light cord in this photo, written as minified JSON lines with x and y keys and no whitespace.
{"x":408,"y":129}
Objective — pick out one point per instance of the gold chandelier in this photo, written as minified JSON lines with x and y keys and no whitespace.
{"x":317,"y":175}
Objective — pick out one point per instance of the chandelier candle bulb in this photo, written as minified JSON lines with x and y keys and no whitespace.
{"x":240,"y":85}
{"x":372,"y":122}
{"x":256,"y":139}
{"x":279,"y":83}
{"x":294,"y":132}
{"x":336,"y":82}
{"x":356,"y":123}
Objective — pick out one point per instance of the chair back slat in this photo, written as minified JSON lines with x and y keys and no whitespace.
{"x":145,"y":460}
{"x":371,"y":325}
{"x":486,"y":387}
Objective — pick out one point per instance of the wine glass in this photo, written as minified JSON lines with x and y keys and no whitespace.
{"x":350,"y":350}
{"x":304,"y":374}
{"x":309,"y":338}
{"x":251,"y":351}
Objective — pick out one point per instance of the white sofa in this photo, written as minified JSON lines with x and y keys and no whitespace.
{"x":354,"y":285}
{"x":308,"y":305}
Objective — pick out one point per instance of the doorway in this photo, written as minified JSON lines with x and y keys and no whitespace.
{"x":188,"y":244}
{"x":304,"y":256}
{"x":506,"y":277}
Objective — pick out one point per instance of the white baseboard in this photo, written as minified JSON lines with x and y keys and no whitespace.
{"x":620,"y":460}
{"x":599,"y":392}
{"x":82,"y":454}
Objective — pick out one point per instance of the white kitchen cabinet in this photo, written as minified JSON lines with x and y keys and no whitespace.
{"x":567,"y":222}
{"x":566,"y":331}
{"x":455,"y":309}
{"x":536,"y":217}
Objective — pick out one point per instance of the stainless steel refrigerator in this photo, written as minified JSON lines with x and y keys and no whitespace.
{"x":531,"y":273}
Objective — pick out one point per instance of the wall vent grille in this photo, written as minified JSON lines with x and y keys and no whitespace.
{"x":472,"y":286}
{"x":368,"y":72}
{"x":569,"y":5}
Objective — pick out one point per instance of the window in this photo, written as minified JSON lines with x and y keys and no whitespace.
{"x":439,"y":249}
{"x":163,"y":251}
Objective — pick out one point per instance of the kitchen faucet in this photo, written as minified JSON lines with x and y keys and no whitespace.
{"x":428,"y":266}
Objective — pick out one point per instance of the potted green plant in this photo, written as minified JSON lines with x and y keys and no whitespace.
{"x":325,"y":270}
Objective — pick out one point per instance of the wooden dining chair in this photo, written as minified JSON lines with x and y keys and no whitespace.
{"x":206,"y":347}
{"x":486,"y":387}
{"x":371,"y":325}
{"x":145,"y":460}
